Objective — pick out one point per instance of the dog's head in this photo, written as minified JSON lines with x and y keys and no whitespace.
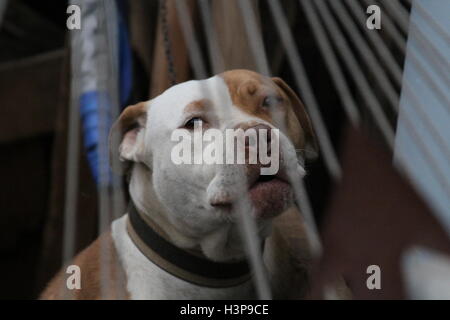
{"x":199,"y":195}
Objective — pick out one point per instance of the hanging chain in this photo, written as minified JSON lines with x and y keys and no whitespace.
{"x":167,"y":42}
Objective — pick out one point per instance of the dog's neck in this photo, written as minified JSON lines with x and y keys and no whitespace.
{"x":146,"y":201}
{"x":222,"y":245}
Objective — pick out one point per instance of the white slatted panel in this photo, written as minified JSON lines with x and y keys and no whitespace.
{"x":423,"y":98}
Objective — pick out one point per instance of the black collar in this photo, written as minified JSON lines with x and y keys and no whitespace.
{"x":181,"y":263}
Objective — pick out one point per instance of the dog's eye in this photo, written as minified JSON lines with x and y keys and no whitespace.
{"x":270,"y":101}
{"x":190,"y":124}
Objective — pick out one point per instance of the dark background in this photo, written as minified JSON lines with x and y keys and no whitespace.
{"x":34,"y":94}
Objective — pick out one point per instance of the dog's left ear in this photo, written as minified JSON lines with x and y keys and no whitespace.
{"x":126,"y":137}
{"x":310,"y":147}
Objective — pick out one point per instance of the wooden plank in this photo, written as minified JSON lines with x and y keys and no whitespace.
{"x":160,"y":80}
{"x":26,"y":32}
{"x":232,"y":36}
{"x":86,"y":221}
{"x":29,"y":95}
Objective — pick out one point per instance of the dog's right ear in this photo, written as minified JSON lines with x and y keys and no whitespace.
{"x":126,"y":137}
{"x":310,"y":147}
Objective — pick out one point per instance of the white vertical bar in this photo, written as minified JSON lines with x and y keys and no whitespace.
{"x":192,"y":44}
{"x":254,"y":36}
{"x":3,"y":5}
{"x":246,"y":223}
{"x":407,"y":154}
{"x":215,"y":54}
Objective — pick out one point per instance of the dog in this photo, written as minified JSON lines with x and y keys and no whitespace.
{"x":180,"y":238}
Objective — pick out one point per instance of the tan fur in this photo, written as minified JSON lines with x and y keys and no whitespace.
{"x":91,"y":270}
{"x":248,"y":90}
{"x":132,"y":116}
{"x":198,"y":106}
{"x":300,"y":112}
{"x":288,"y":250}
{"x":129,"y":117}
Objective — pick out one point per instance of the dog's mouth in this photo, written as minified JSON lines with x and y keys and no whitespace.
{"x":270,"y":195}
{"x":265,"y":178}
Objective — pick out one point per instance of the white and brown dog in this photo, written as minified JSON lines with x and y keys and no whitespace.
{"x":180,"y":238}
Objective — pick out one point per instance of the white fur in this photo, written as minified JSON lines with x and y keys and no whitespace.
{"x":146,"y":281}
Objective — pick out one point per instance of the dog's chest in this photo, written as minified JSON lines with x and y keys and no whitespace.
{"x":145,"y":280}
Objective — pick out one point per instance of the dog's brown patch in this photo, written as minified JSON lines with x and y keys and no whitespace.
{"x":92,"y":270}
{"x":248,"y":90}
{"x":202,"y":105}
{"x":131,"y":120}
